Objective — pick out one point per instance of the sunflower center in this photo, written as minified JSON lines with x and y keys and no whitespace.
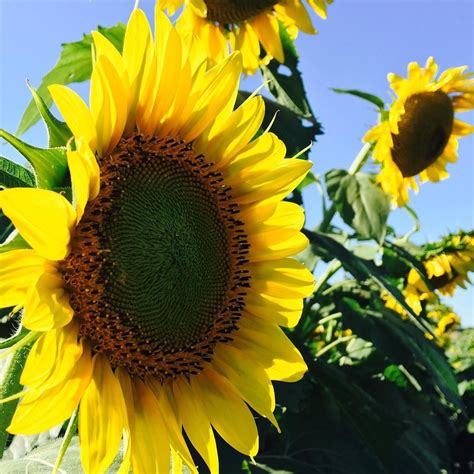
{"x":155,"y":273}
{"x":227,"y":12}
{"x":424,"y":131}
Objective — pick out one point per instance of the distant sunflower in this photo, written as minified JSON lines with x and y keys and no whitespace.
{"x":157,"y":298}
{"x":447,"y":264}
{"x":244,"y":25}
{"x":420,"y":135}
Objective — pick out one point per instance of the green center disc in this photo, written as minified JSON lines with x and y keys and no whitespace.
{"x":424,"y":131}
{"x":227,"y":12}
{"x":167,"y":264}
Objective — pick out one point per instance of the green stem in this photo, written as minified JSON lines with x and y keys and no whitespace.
{"x":356,"y":166}
{"x":70,"y":431}
{"x":10,"y":385}
{"x":333,"y":344}
{"x":416,"y":227}
{"x":331,"y":317}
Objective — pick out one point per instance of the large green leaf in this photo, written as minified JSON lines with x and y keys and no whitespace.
{"x":74,"y":65}
{"x":50,"y":164}
{"x":288,"y":90}
{"x":13,"y":175}
{"x":360,"y":202}
{"x":360,"y":268}
{"x":402,"y":343}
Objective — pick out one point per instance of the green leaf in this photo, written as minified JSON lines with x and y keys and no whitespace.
{"x":412,"y":262}
{"x":288,"y":90}
{"x":74,"y":65}
{"x":403,"y":343}
{"x":363,"y":95}
{"x":58,"y":132}
{"x":12,"y":241}
{"x":13,"y":175}
{"x":360,"y":202}
{"x":361,"y":269}
{"x":50,"y":164}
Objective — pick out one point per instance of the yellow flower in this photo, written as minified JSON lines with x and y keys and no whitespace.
{"x":447,"y":267}
{"x":420,"y":135}
{"x":244,"y":25}
{"x":450,"y":268}
{"x":158,"y":297}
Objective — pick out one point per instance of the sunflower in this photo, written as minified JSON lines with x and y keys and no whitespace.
{"x":420,"y":134}
{"x":158,"y":295}
{"x":447,"y":265}
{"x":244,"y":25}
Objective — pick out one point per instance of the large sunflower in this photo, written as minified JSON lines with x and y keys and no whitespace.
{"x":244,"y":25}
{"x":420,"y":134}
{"x":157,"y":298}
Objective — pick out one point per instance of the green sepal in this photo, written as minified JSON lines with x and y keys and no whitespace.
{"x":74,"y":65}
{"x":50,"y":164}
{"x":58,"y":131}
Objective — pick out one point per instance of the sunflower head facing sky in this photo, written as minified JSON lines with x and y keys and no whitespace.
{"x":420,"y":135}
{"x":157,"y":296}
{"x":245,"y":25}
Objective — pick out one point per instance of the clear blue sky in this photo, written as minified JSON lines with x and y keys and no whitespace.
{"x":357,"y":46}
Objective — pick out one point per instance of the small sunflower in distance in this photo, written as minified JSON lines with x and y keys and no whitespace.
{"x":244,"y":25}
{"x":447,"y":264}
{"x":158,"y":297}
{"x":420,"y":134}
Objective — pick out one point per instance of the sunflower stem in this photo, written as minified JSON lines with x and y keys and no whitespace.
{"x":416,"y":221}
{"x":356,"y":166}
{"x":70,"y":430}
{"x":333,"y":344}
{"x":10,"y":384}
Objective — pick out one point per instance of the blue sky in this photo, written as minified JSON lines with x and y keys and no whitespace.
{"x":360,"y":42}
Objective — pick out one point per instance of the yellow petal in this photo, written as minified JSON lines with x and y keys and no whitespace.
{"x":297,"y":13}
{"x":101,"y":418}
{"x":284,"y":312}
{"x":268,"y":31}
{"x":248,"y":379}
{"x":85,"y":175}
{"x":285,"y":278}
{"x":109,"y":94}
{"x":217,"y":97}
{"x":277,"y":182}
{"x":19,"y":271}
{"x":52,"y":358}
{"x":246,"y":41}
{"x":267,"y":344}
{"x":236,"y":133}
{"x":75,"y":112}
{"x":137,"y":52}
{"x":196,"y":424}
{"x":276,"y":244}
{"x":152,"y":456}
{"x":219,"y":400}
{"x":44,"y":219}
{"x":171,"y":422}
{"x":47,"y":305}
{"x":40,"y":410}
